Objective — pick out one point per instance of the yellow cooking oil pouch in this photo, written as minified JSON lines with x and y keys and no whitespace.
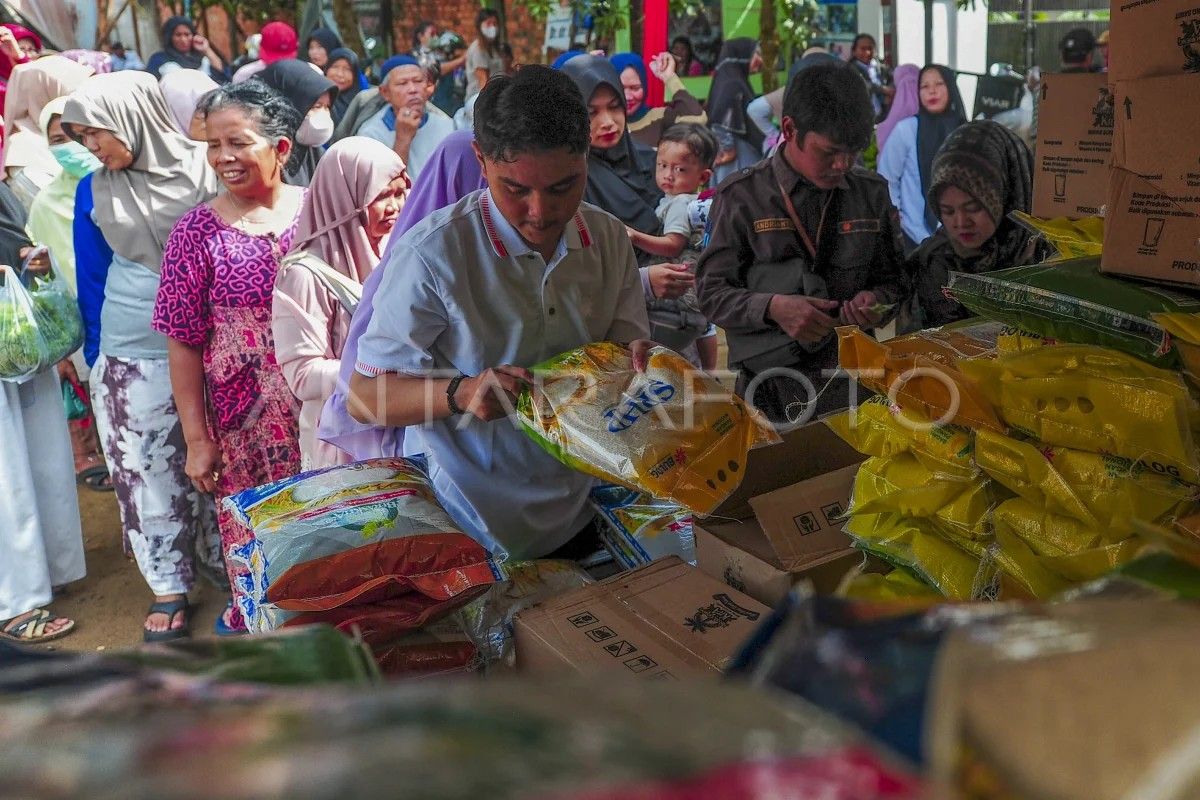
{"x":1100,"y":491}
{"x":899,"y":584}
{"x":880,"y":428}
{"x":1032,"y":549}
{"x":903,"y":485}
{"x":916,"y":544}
{"x":1070,"y":238}
{"x":672,"y":431}
{"x":919,"y":373}
{"x":1095,"y":399}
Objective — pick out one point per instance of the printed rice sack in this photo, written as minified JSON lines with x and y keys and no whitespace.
{"x":1098,"y":400}
{"x":642,"y":529}
{"x":672,"y":431}
{"x":488,"y":620}
{"x":1072,"y":302}
{"x":362,"y":535}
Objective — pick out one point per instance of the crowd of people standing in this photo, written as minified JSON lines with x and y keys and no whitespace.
{"x":230,"y":227}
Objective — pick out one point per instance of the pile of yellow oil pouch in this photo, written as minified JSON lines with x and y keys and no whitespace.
{"x":1070,"y":238}
{"x":671,"y":431}
{"x":1097,"y":400}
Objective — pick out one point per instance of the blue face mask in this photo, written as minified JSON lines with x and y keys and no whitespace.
{"x":75,"y":159}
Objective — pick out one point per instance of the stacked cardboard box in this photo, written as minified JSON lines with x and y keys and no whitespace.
{"x":1152,"y":229}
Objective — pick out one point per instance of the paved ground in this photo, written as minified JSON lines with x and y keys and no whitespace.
{"x":109,"y":605}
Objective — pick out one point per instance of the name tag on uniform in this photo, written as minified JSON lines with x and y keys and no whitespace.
{"x":766,"y":225}
{"x":859,"y":226}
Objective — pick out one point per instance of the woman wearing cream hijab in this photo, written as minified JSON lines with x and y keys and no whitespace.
{"x":31,"y":86}
{"x":151,"y":175}
{"x":352,"y":204}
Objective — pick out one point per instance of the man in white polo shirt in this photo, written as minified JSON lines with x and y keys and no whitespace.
{"x":477,"y":293}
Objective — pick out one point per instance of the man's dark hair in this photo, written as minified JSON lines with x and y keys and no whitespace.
{"x":422,"y":26}
{"x":868,"y":37}
{"x":700,"y":141}
{"x":831,"y":100}
{"x":273,"y":114}
{"x":1076,"y":46}
{"x":534,"y":110}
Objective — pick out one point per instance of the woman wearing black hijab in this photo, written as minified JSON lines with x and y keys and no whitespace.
{"x":183,"y":49}
{"x":321,"y":44}
{"x":620,"y":173}
{"x":346,"y":73}
{"x":741,"y":140}
{"x":313,"y":95}
{"x":907,"y":157}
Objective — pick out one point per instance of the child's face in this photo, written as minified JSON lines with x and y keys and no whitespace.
{"x":677,"y":171}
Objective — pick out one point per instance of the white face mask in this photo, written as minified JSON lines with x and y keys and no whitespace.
{"x":317,"y":128}
{"x":489,"y":31}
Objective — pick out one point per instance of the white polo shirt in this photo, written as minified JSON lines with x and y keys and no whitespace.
{"x":436,"y":126}
{"x":463,"y":292}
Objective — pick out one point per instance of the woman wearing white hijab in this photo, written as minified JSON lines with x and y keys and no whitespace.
{"x":183,"y":90}
{"x":151,"y":175}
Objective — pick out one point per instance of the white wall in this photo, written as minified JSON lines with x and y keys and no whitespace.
{"x":959,"y":37}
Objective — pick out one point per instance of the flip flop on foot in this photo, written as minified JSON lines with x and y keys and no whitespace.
{"x":222,"y":626}
{"x":95,"y":478}
{"x":35,"y":627}
{"x":170,"y":609}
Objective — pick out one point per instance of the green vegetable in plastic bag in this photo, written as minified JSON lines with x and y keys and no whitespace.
{"x":40,"y":323}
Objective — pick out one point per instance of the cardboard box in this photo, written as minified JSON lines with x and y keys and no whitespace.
{"x":664,"y":620}
{"x":1149,"y":38}
{"x":1152,"y":229}
{"x":784,"y":522}
{"x":733,"y":553}
{"x":1074,"y":146}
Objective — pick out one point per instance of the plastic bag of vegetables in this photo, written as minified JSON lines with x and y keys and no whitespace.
{"x":40,"y":323}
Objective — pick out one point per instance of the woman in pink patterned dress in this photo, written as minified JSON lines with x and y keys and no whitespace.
{"x":214,"y":304}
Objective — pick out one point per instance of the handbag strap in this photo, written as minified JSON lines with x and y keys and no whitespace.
{"x":347,"y":292}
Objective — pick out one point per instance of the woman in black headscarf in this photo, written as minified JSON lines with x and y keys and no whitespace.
{"x":313,"y":95}
{"x":741,"y":140}
{"x":620,"y":173}
{"x":184,"y":49}
{"x":321,"y":44}
{"x":907,"y":157}
{"x":982,"y":173}
{"x":345,"y":72}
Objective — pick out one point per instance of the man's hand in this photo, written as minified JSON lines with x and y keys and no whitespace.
{"x":858,"y":311}
{"x":670,"y":281}
{"x":408,"y":122}
{"x":803,"y":318}
{"x":493,"y":394}
{"x":663,"y":67}
{"x":204,"y":465}
{"x":9,"y":46}
{"x":640,"y":350}
{"x":725,"y":157}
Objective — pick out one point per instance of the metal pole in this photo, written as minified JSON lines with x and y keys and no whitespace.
{"x":928,"y":31}
{"x":1029,"y":34}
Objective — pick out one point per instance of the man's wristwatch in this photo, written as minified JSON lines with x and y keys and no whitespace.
{"x":451,"y":389}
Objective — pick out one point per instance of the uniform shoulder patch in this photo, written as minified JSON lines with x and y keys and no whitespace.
{"x":773,"y":224}
{"x":848,"y":226}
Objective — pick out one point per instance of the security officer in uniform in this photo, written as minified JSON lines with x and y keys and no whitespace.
{"x":799,"y":244}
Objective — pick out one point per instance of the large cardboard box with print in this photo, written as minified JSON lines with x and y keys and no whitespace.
{"x":1074,"y":146}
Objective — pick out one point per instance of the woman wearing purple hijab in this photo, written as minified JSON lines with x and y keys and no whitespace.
{"x":452,"y":173}
{"x":905,"y":104}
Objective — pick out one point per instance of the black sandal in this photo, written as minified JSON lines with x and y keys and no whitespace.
{"x":170,"y":608}
{"x":95,"y":478}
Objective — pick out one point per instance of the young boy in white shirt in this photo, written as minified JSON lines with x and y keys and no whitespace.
{"x":684,"y":165}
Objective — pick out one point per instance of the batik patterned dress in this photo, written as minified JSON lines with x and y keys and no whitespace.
{"x":217,"y":284}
